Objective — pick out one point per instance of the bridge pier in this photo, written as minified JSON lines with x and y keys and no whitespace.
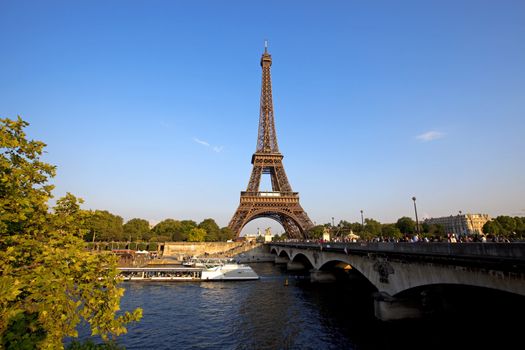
{"x":388,"y":308}
{"x":318,"y":276}
{"x":295,"y":266}
{"x":281,"y":260}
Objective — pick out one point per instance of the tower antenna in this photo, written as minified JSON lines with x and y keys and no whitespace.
{"x":266,"y":46}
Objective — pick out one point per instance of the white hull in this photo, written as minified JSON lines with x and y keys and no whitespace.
{"x":229,"y":272}
{"x":226,"y":272}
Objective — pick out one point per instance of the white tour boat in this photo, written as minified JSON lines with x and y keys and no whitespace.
{"x":229,"y":272}
{"x":224,"y":272}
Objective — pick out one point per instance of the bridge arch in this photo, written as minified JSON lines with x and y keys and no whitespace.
{"x":304,"y":260}
{"x":334,"y":263}
{"x":284,"y":254}
{"x":442,"y":298}
{"x":347,"y":269}
{"x":458,"y":290}
{"x":452,"y":284}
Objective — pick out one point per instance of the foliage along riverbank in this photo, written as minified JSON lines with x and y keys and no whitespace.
{"x":49,"y":282}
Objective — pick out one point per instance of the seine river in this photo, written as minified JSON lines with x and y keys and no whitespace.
{"x":266,"y":314}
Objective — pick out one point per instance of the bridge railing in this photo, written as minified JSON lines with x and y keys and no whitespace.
{"x":508,"y":253}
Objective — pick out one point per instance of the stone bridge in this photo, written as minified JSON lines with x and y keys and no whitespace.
{"x":402,"y":273}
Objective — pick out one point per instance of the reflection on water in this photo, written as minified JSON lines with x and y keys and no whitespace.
{"x":266,"y":314}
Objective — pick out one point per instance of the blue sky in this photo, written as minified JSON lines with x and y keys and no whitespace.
{"x":150,"y":108}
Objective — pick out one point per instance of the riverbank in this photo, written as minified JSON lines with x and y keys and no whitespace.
{"x":174,"y":253}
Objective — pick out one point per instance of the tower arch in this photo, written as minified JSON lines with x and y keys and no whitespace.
{"x":285,"y":218}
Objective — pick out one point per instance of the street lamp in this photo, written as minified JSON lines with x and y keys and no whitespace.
{"x":362,"y":221}
{"x":417,"y":221}
{"x":332,"y":221}
{"x":460,"y":224}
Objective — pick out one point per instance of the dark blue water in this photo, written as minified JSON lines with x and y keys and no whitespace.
{"x":266,"y":314}
{"x":263,"y":314}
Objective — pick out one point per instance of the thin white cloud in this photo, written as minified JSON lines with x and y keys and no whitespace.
{"x":216,"y":149}
{"x":430,"y":136}
{"x":204,"y":143}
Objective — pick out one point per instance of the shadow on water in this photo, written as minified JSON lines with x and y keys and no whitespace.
{"x":456,"y":317}
{"x":268,"y":314}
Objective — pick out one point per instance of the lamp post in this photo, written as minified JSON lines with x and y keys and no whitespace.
{"x":333,"y":221}
{"x":417,"y":221}
{"x":460,"y":224}
{"x":362,"y":221}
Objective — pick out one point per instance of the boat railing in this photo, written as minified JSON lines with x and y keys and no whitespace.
{"x":208,"y":262}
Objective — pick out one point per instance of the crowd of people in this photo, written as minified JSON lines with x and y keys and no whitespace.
{"x":415,"y":238}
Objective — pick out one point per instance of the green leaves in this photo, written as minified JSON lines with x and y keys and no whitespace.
{"x":48,"y":281}
{"x":136,"y":229}
{"x":406,"y":225}
{"x":104,"y":226}
{"x":197,"y":235}
{"x":213,"y":232}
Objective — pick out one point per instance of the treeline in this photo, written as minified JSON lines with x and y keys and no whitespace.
{"x":502,"y":226}
{"x":101,"y":225}
{"x":506,"y":226}
{"x":372,"y":228}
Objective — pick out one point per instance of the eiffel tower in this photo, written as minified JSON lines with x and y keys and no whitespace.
{"x":280,"y":204}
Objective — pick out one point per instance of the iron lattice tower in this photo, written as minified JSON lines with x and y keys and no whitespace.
{"x":281,"y":204}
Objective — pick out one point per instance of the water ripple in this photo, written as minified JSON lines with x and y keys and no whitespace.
{"x":266,"y":314}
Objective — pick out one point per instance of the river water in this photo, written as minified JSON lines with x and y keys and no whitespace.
{"x":267,"y":314}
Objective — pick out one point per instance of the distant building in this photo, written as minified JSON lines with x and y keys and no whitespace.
{"x":326,"y":234}
{"x":250,"y":238}
{"x":268,"y":235}
{"x":462,"y":224}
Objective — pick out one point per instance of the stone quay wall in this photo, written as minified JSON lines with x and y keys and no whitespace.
{"x":246,"y":251}
{"x":176,"y":249}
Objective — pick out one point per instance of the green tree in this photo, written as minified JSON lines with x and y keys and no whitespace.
{"x":346,"y":227}
{"x":226,"y":234}
{"x":178,"y":231}
{"x":507,"y":223}
{"x":520,"y":226}
{"x":406,"y":225}
{"x":356,"y":227}
{"x":316,"y":232}
{"x":433,"y":229}
{"x":48,"y":281}
{"x":372,"y":228}
{"x":104,"y":226}
{"x":185,"y":228}
{"x":135,"y":229}
{"x":168,"y":228}
{"x":391,"y":231}
{"x":213,"y":231}
{"x":197,"y":235}
{"x":492,"y":227}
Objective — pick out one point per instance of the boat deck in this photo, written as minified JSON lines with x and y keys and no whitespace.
{"x":224,"y":272}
